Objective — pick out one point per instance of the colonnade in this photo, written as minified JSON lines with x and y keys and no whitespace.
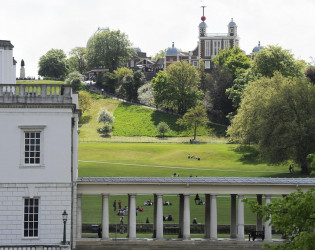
{"x":237,"y":230}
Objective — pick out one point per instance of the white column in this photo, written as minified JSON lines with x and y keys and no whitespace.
{"x":233,"y":227}
{"x":268,"y":232}
{"x":132,"y":217}
{"x":79,"y":216}
{"x":159,"y":217}
{"x":105,"y":217}
{"x":240,"y":217}
{"x":259,"y":222}
{"x":207,"y":216}
{"x":186,"y":219}
{"x":213,"y":218}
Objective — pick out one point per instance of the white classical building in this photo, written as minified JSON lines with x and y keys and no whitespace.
{"x":38,"y":160}
{"x":7,"y":63}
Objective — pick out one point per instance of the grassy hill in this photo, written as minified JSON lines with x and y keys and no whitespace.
{"x":130,"y":121}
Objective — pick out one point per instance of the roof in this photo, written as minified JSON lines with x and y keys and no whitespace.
{"x":198,"y":180}
{"x":231,"y":23}
{"x":172,"y":51}
{"x":6,"y":44}
{"x":257,"y":48}
{"x":202,"y":25}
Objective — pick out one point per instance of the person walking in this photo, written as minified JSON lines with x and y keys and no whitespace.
{"x":119,"y":204}
{"x":114,"y":205}
{"x":121,"y":225}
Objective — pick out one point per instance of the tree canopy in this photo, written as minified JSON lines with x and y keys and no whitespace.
{"x":53,"y":64}
{"x":177,"y":88}
{"x":77,"y":60}
{"x":294,"y":216}
{"x":194,"y":118}
{"x":276,"y":59}
{"x":109,"y":49}
{"x":278,"y":114}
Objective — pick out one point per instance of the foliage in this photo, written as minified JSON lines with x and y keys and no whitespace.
{"x":279,"y":115}
{"x":162,"y":128}
{"x":131,"y":83}
{"x":107,"y":81}
{"x":85,"y":101}
{"x":145,"y":94}
{"x":106,"y":129}
{"x":105,"y":116}
{"x":75,"y":80}
{"x":233,"y":59}
{"x":109,"y":49}
{"x":160,"y":54}
{"x":177,"y":87}
{"x":77,"y":60}
{"x":122,"y":72}
{"x":310,"y":73}
{"x":194,"y":118}
{"x":53,"y":64}
{"x":216,"y":101}
{"x":273,"y":58}
{"x":294,"y":216}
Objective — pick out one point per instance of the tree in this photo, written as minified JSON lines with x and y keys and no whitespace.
{"x":77,"y":60}
{"x":107,"y":81}
{"x":162,"y":128}
{"x":273,"y":58}
{"x":109,"y":49}
{"x":194,"y":118}
{"x":75,"y":80}
{"x":53,"y":64}
{"x":131,"y":84}
{"x":233,"y":59}
{"x":145,"y":94}
{"x":160,"y":54}
{"x":278,"y":114}
{"x":85,"y":101}
{"x":294,"y":216}
{"x":177,"y":87}
{"x":107,"y":118}
{"x":310,"y":73}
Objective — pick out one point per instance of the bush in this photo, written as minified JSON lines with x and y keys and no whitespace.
{"x":75,"y":80}
{"x":105,"y":116}
{"x":85,"y":101}
{"x":106,"y":129}
{"x":162,"y":128}
{"x":145,"y":95}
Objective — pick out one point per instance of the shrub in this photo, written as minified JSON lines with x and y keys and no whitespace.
{"x":105,"y":116}
{"x":162,"y":128}
{"x":85,"y":101}
{"x":106,"y":129}
{"x":75,"y":80}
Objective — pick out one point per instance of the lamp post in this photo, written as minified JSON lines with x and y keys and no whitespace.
{"x":64,"y":218}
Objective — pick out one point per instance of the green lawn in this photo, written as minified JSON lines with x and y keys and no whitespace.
{"x":39,"y":82}
{"x":92,"y":209}
{"x":162,"y":160}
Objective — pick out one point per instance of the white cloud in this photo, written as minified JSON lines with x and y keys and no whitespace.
{"x":35,"y":26}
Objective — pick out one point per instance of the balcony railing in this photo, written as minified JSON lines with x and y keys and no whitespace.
{"x":35,"y":93}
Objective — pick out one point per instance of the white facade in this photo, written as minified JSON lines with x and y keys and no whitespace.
{"x":38,"y":160}
{"x":7,"y":63}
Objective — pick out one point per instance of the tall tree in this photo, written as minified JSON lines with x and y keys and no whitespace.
{"x":178,"y":87}
{"x":53,"y":64}
{"x":194,"y":118}
{"x":278,"y":114}
{"x":77,"y":60}
{"x":109,"y":49}
{"x":273,"y":58}
{"x":131,"y":84}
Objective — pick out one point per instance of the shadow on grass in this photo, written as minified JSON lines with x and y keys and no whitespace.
{"x":218,"y":130}
{"x":249,"y":155}
{"x":84,"y":120}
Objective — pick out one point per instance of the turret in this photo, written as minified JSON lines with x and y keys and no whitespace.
{"x":232,"y":28}
{"x":203,"y":25}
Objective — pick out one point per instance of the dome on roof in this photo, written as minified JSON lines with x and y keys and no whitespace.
{"x":257,"y":48}
{"x":232,"y":23}
{"x":172,"y":51}
{"x":99,"y":30}
{"x":202,"y":25}
{"x":137,"y":49}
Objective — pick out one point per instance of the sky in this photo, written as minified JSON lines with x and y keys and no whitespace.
{"x":36,"y":26}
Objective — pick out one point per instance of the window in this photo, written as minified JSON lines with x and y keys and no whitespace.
{"x":226,"y":44}
{"x":31,"y":217}
{"x":32,"y":154}
{"x":32,"y":148}
{"x":207,"y":48}
{"x":132,"y":64}
{"x":207,"y":64}
{"x":195,"y":63}
{"x":216,"y":47}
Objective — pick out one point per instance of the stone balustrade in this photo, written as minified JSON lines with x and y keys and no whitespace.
{"x":35,"y":93}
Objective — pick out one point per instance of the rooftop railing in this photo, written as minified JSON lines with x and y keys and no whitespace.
{"x":35,"y":93}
